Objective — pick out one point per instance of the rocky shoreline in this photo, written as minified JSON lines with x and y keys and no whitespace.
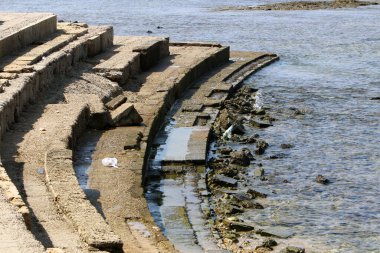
{"x":301,"y":5}
{"x":228,"y":176}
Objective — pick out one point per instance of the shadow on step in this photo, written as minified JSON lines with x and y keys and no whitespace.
{"x":15,"y":168}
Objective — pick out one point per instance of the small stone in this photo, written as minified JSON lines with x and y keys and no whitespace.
{"x":286,"y":146}
{"x":249,"y":139}
{"x":261,"y":146}
{"x":269,"y":243}
{"x":230,"y":209}
{"x":256,"y":194}
{"x":259,"y":172}
{"x":224,"y":181}
{"x":260,"y":124}
{"x":292,"y":249}
{"x":238,"y":129}
{"x":241,"y":196}
{"x":275,"y":232}
{"x":322,"y":180}
{"x":277,"y":156}
{"x":238,"y":226}
{"x":242,"y":157}
{"x":225,"y":150}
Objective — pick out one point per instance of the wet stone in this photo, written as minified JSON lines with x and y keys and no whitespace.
{"x":256,"y":194}
{"x":277,"y":156}
{"x":238,"y":129}
{"x":258,"y":112}
{"x":241,"y":196}
{"x":238,"y":225}
{"x":224,"y":181}
{"x":292,"y":249}
{"x":261,"y":146}
{"x":242,"y":157}
{"x":269,"y":243}
{"x":259,"y":172}
{"x":275,"y":232}
{"x":228,"y":209}
{"x":260,"y":124}
{"x":322,"y":180}
{"x":249,"y":139}
{"x":225,"y":150}
{"x":286,"y":146}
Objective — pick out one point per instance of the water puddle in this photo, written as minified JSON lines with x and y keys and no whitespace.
{"x":83,"y":156}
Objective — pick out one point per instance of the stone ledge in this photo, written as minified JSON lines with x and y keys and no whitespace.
{"x":27,"y":86}
{"x":63,"y":183}
{"x":27,"y":29}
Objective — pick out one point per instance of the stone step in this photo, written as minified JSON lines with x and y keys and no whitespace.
{"x":22,"y":60}
{"x":129,"y":56}
{"x":122,"y":187}
{"x":72,"y":201}
{"x":18,"y":30}
{"x":62,"y":124}
{"x":25,"y":87}
{"x":125,"y":115}
{"x":52,"y":129}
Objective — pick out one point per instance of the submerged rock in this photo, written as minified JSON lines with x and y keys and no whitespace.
{"x":228,"y":209}
{"x":269,"y":243}
{"x":237,"y":200}
{"x":256,"y":194}
{"x":229,"y":171}
{"x":260,"y":124}
{"x":224,"y":181}
{"x":249,"y":139}
{"x":261,"y":146}
{"x":259,"y":172}
{"x":286,"y":146}
{"x":242,"y":157}
{"x":292,"y":249}
{"x":225,"y":150}
{"x":275,"y":232}
{"x":238,"y":225}
{"x":322,"y":180}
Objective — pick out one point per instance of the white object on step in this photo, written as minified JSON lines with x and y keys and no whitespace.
{"x":109,"y":162}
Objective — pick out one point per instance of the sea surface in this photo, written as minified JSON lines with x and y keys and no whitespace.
{"x":329,"y":70}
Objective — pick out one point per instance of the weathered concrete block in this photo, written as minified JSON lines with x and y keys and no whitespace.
{"x":101,"y":41}
{"x":151,"y":52}
{"x":125,"y":115}
{"x":117,"y":101}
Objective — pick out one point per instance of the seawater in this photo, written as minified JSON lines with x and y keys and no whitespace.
{"x":329,"y":70}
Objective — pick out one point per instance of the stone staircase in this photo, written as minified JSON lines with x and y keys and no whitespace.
{"x":56,"y":80}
